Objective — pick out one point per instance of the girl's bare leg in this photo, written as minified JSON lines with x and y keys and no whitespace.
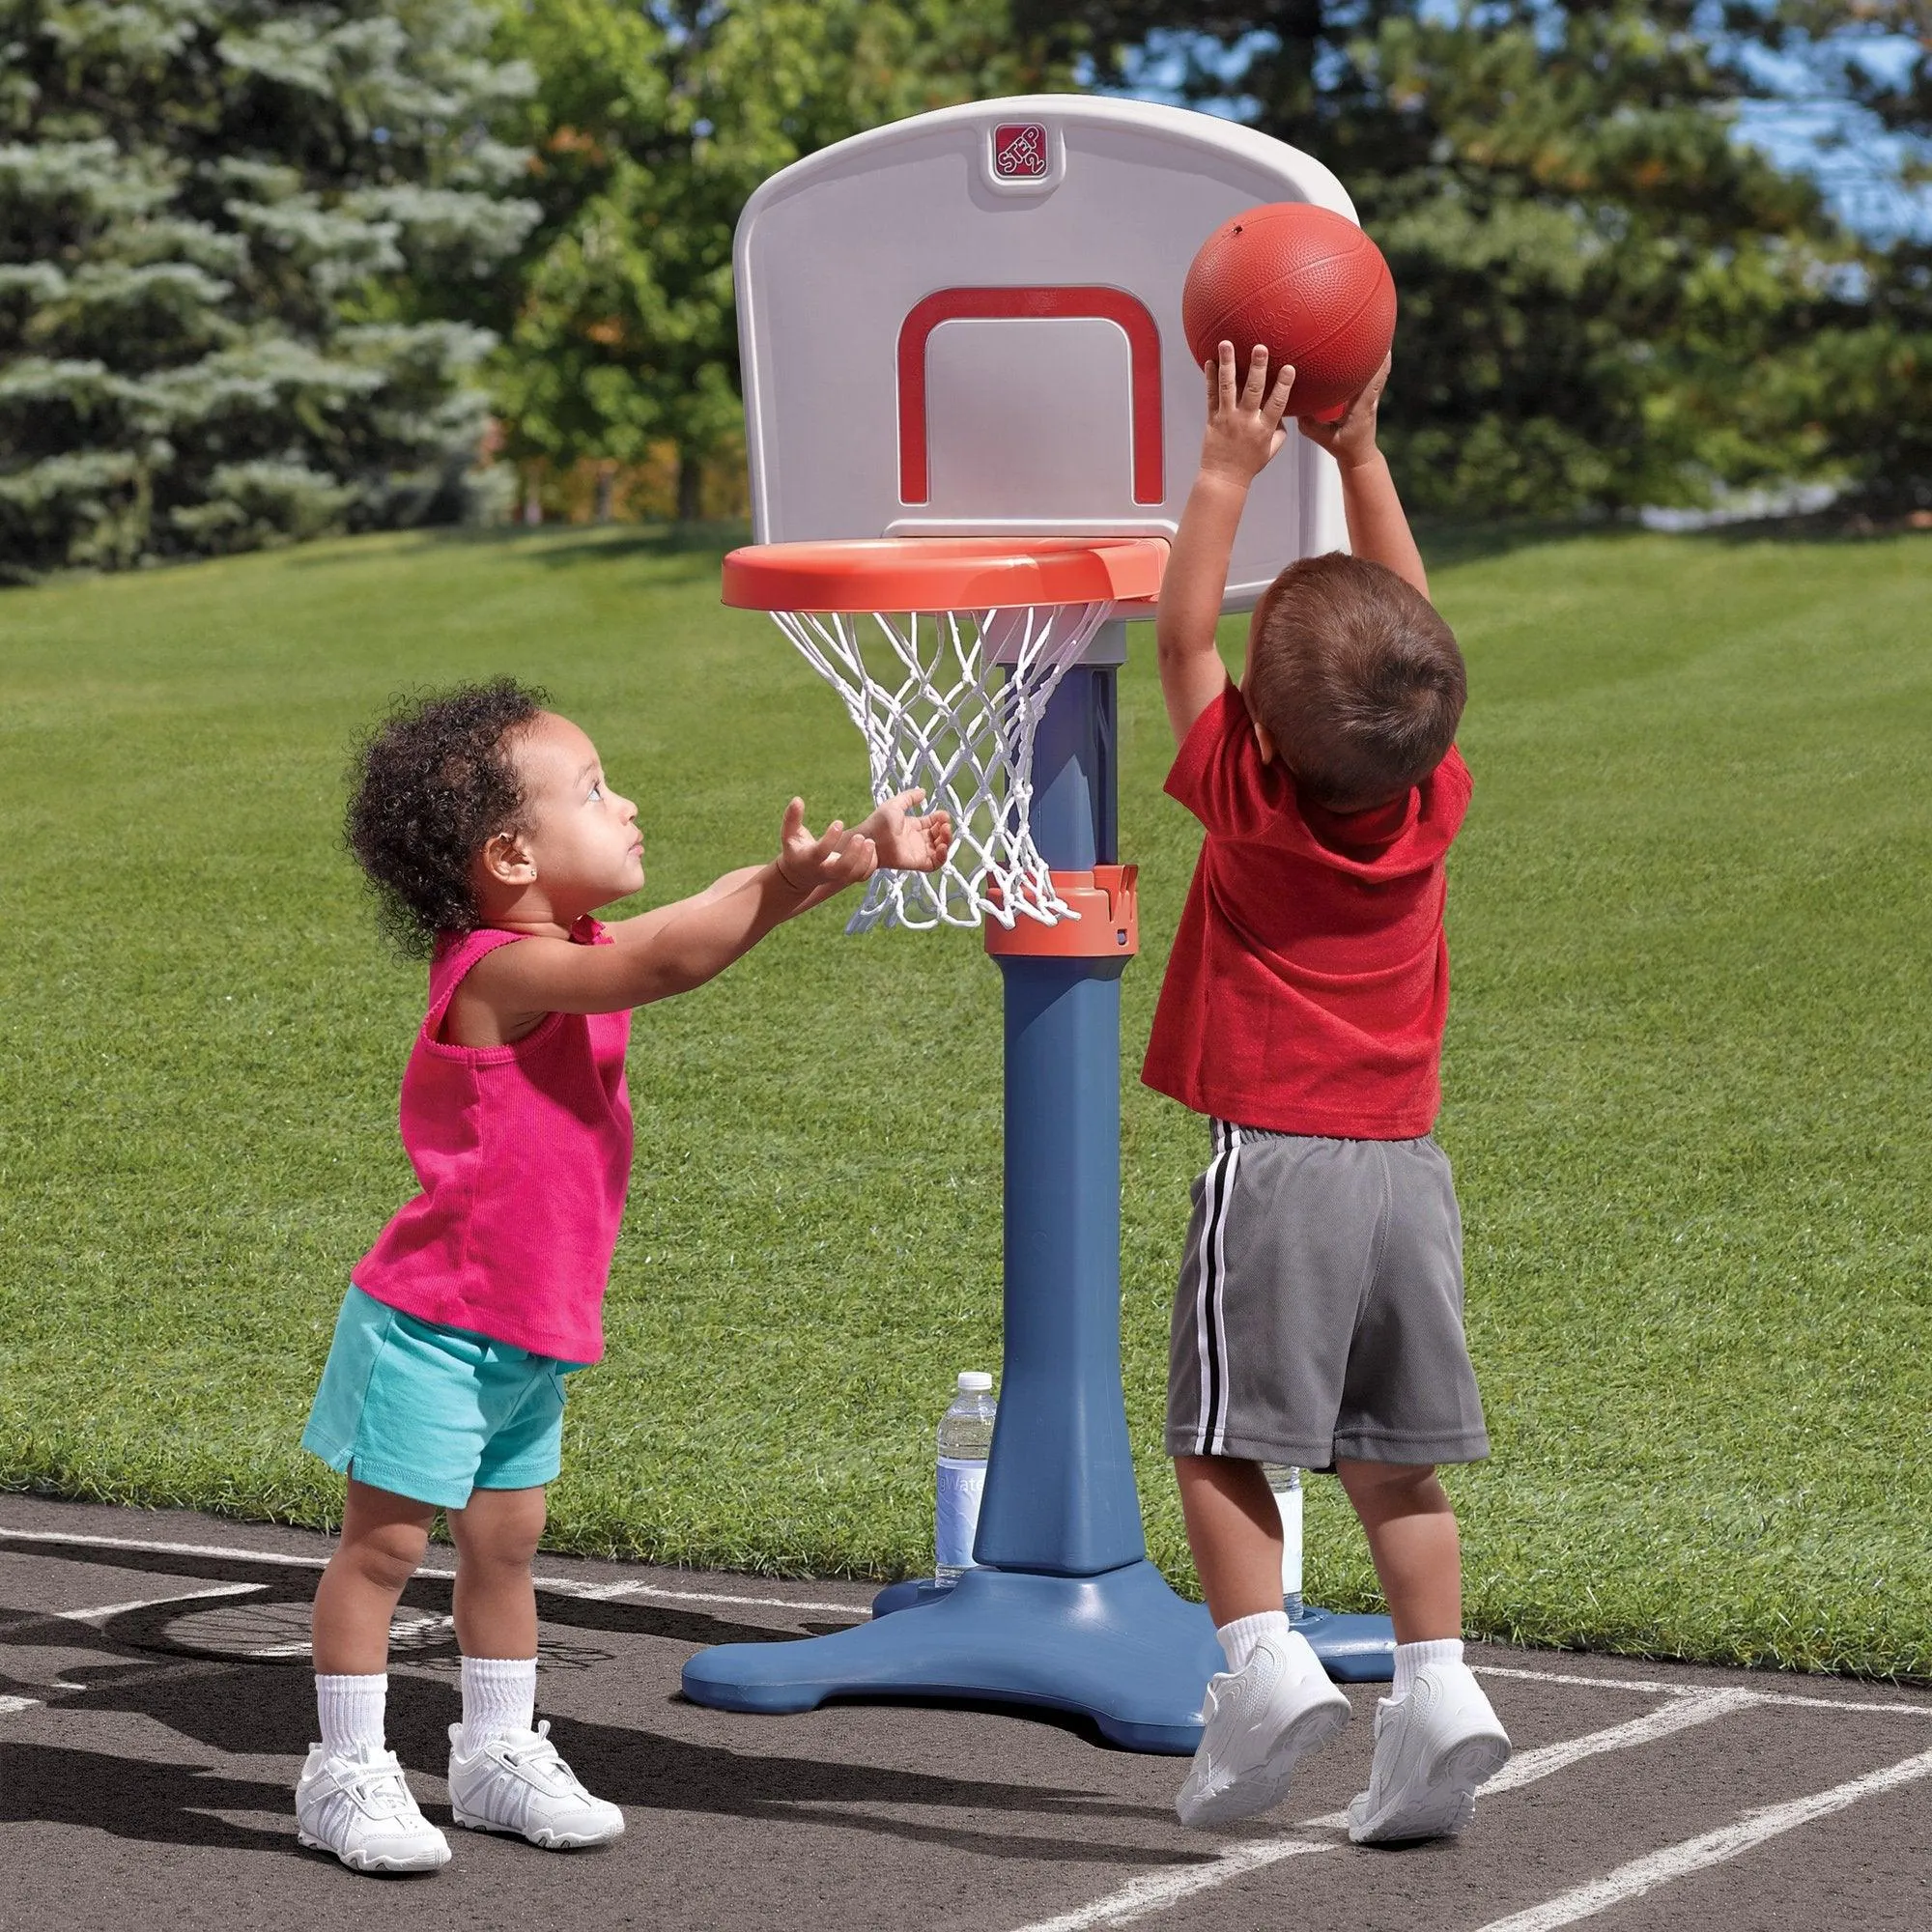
{"x":496,"y":1535}
{"x":383,"y":1537}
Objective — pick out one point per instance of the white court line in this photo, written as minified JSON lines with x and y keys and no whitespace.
{"x":149,"y":1547}
{"x":1156,"y":1891}
{"x":603,"y":1592}
{"x":1786,"y":1699}
{"x":1675,"y":1862}
{"x":102,"y":1611}
{"x":565,"y":1587}
{"x":9,"y":1705}
{"x":1653,"y":1688}
{"x":1141,"y":1896}
{"x":1699,"y":1707}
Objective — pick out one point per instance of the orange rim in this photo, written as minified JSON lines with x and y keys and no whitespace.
{"x":944,"y":573}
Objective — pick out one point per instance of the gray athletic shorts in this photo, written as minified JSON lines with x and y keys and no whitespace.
{"x":1319,"y":1312}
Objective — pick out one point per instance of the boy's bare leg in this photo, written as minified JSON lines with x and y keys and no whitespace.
{"x":1257,"y":1722}
{"x":383,"y":1537}
{"x":495,"y":1536}
{"x":1233,"y":1530}
{"x":1412,"y":1531}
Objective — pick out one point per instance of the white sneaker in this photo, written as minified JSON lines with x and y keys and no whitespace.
{"x":357,"y":1804}
{"x":519,"y":1784}
{"x":1433,"y":1749}
{"x":1258,"y":1722}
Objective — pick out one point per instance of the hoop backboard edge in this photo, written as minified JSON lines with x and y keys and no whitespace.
{"x":931,"y":350}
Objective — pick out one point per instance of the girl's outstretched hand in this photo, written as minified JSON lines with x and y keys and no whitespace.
{"x":829,"y":863}
{"x":1244,"y":426}
{"x":906,"y":842}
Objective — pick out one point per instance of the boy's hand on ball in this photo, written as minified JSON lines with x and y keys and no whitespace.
{"x":1244,"y":422}
{"x":906,"y":841}
{"x":836,"y":859}
{"x":1351,"y":437}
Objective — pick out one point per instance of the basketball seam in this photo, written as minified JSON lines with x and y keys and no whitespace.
{"x":1314,"y":348}
{"x":1300,"y":269}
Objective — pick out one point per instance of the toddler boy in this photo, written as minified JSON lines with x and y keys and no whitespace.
{"x":1319,"y":1317}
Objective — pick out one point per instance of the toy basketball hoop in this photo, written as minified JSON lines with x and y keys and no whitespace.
{"x":966,"y":388}
{"x":946,"y":652}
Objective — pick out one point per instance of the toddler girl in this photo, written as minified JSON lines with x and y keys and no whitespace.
{"x":490,"y":835}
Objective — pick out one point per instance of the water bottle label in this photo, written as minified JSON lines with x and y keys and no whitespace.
{"x":1289,"y":1502}
{"x":961,"y":1483}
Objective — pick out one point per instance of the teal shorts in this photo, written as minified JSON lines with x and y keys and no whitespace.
{"x":431,"y":1412}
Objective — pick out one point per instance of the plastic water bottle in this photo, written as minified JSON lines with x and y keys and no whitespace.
{"x":1285,"y":1483}
{"x":965,"y":1441}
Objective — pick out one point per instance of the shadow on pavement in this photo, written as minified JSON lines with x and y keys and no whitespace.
{"x":134,"y":1798}
{"x":236,"y":1705}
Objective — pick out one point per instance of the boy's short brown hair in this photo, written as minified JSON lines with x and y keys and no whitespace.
{"x":1355,"y":678}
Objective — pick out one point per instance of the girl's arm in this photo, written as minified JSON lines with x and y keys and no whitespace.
{"x":674,"y":948}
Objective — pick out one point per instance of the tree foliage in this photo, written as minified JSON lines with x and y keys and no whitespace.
{"x":228,"y":231}
{"x":1607,"y":298}
{"x":651,"y":125}
{"x":1867,"y":382}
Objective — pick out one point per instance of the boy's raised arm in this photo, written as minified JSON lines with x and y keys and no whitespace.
{"x":1378,"y":525}
{"x":1243,"y":432}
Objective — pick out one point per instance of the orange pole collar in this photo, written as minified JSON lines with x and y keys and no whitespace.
{"x":1107,"y":900}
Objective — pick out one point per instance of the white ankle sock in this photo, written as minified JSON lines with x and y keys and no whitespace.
{"x":350,"y":1711}
{"x":1409,"y":1658}
{"x":1239,"y":1638}
{"x":499,"y":1696}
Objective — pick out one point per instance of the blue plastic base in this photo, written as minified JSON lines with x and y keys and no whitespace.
{"x":1119,"y":1648}
{"x":1353,"y":1648}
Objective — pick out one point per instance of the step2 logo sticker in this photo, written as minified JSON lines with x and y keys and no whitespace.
{"x":1020,"y":150}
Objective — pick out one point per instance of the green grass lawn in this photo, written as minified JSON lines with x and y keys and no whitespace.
{"x":1687,"y":1073}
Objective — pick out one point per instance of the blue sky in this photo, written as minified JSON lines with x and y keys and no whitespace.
{"x":1798,"y":115}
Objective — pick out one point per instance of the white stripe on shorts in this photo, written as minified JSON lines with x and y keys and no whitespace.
{"x":1210,"y":1327}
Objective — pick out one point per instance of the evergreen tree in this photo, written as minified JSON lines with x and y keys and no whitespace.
{"x":1862,"y":76}
{"x":1607,"y":300}
{"x":651,"y":126}
{"x":228,"y":231}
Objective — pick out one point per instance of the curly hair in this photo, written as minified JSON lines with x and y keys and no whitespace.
{"x":431,"y":783}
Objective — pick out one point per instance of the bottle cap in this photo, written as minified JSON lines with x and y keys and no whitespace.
{"x":974,"y":1381}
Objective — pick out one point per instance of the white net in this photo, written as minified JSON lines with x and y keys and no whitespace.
{"x":950,"y":700}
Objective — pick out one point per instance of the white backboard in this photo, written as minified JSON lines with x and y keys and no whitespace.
{"x":969,"y":323}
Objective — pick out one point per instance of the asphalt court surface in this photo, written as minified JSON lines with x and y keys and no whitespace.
{"x":155,"y":1703}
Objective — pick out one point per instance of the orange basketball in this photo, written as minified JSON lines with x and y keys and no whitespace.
{"x":1306,"y":283}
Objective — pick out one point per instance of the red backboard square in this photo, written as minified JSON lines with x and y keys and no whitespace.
{"x":1019,"y":150}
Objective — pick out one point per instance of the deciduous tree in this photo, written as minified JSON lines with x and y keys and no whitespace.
{"x":651,"y":125}
{"x":1607,"y":298}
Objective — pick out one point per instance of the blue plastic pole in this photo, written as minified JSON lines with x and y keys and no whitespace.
{"x":1059,"y":1489}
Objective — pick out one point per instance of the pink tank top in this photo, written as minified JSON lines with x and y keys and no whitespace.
{"x":524,"y":1154}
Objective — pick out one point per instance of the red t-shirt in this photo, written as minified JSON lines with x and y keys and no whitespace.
{"x":1310,"y":977}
